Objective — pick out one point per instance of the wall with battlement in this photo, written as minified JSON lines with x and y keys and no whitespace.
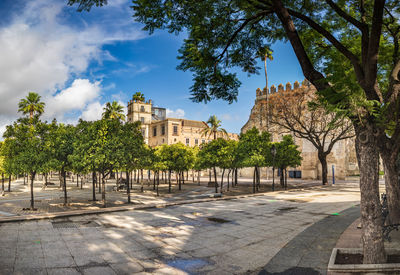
{"x":343,"y":155}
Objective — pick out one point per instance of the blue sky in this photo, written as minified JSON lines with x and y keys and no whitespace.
{"x":79,"y":61}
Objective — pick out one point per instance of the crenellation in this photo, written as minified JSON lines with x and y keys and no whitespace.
{"x":288,"y":87}
{"x":265,"y":91}
{"x":280,"y":88}
{"x":273,"y":89}
{"x":296,"y":85}
{"x":258,"y":92}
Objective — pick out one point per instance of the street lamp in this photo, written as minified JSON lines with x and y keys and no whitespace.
{"x":273,"y":153}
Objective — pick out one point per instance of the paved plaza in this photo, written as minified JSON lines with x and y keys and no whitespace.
{"x":234,"y":236}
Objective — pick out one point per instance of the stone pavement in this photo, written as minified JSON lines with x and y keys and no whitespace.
{"x":220,"y":237}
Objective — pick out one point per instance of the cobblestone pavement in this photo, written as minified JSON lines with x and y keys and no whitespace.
{"x":220,"y":237}
{"x":50,"y":200}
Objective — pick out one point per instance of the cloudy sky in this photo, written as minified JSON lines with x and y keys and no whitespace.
{"x":79,"y":61}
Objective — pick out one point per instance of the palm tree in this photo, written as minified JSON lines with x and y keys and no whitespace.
{"x":31,"y":105}
{"x":113,"y":111}
{"x":214,"y":127}
{"x":138,"y":96}
{"x":265,"y":53}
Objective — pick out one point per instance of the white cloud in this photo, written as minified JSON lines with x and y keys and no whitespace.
{"x":76,"y":97}
{"x":93,"y":111}
{"x":178,"y":113}
{"x":42,"y":53}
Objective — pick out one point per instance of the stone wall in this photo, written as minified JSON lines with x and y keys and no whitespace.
{"x":343,"y":155}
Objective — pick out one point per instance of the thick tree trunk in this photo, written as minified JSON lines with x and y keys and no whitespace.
{"x":128,"y":190}
{"x":285,"y":179}
{"x":371,"y":215}
{"x":32,"y":200}
{"x":216,"y":181}
{"x":222,"y":180}
{"x":392,"y":185}
{"x":324,"y":166}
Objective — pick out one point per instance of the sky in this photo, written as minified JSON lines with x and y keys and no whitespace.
{"x":78,"y":61}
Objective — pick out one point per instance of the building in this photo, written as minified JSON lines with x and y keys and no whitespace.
{"x":343,"y":155}
{"x":157,"y":129}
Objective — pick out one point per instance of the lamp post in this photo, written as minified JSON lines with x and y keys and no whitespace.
{"x":273,"y":153}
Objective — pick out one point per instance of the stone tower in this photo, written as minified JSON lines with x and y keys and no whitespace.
{"x":343,"y":155}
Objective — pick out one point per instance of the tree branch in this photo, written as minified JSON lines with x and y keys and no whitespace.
{"x":339,"y":46}
{"x":361,"y":26}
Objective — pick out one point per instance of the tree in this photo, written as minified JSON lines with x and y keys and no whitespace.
{"x":264,"y":54}
{"x":27,"y":145}
{"x":114,"y":111}
{"x":214,"y":127}
{"x":287,"y":155}
{"x":138,"y":96}
{"x":31,"y":105}
{"x":252,"y":150}
{"x":362,"y":34}
{"x":62,"y":139}
{"x":131,"y":143}
{"x":290,"y":113}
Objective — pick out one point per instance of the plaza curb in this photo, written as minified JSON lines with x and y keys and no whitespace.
{"x":71,"y":213}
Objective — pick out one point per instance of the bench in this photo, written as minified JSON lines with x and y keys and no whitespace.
{"x":387,"y":228}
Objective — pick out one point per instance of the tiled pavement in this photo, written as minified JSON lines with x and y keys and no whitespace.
{"x":218,"y":237}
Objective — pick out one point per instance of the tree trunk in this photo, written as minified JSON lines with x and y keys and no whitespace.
{"x":128,"y":190}
{"x":216,"y":181}
{"x":154,"y":181}
{"x":183,"y":177}
{"x":324,"y":166}
{"x":77,"y":180}
{"x":180,"y":180}
{"x":140,"y":181}
{"x":392,"y":185}
{"x":158,"y":182}
{"x":229,"y":173}
{"x":371,"y":215}
{"x":285,"y":178}
{"x":169,"y":181}
{"x":236,"y":176}
{"x":2,"y":182}
{"x":103,"y":189}
{"x":222,"y":180}
{"x":24,"y":180}
{"x":254,"y":180}
{"x":100,"y":182}
{"x":209,"y":175}
{"x":198,"y":178}
{"x":65,"y":187}
{"x":273,"y":178}
{"x":9,"y":183}
{"x":32,"y":200}
{"x":94,"y":179}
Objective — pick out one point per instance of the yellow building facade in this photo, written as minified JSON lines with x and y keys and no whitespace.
{"x":157,"y":129}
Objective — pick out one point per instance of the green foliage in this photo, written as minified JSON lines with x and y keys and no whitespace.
{"x":214,"y":154}
{"x":253,"y":148}
{"x":214,"y":127}
{"x":31,"y":105}
{"x":114,"y":111}
{"x":287,"y":154}
{"x":138,"y":96}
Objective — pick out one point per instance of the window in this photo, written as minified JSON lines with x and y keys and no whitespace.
{"x":143,"y":132}
{"x":142,"y":120}
{"x":203,"y":141}
{"x":142,"y":108}
{"x":187,"y":141}
{"x":154,"y":131}
{"x":196,"y":141}
{"x":162,"y":129}
{"x":175,"y":129}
